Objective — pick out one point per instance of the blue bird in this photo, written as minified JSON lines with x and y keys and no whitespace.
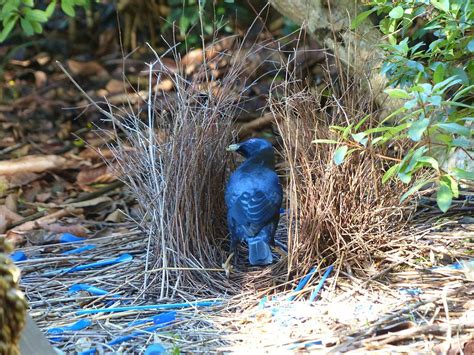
{"x":253,"y":197}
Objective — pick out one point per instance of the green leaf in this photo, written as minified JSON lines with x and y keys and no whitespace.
{"x":358,"y":137}
{"x":417,"y":128}
{"x":389,"y":173}
{"x":430,"y":161}
{"x":414,"y":189}
{"x":346,"y":132}
{"x":444,"y":197}
{"x":438,"y":74}
{"x":68,"y":7}
{"x":463,"y":174}
{"x":27,"y":27}
{"x":50,"y":8}
{"x":8,"y":26}
{"x":453,"y":184}
{"x":396,"y":12}
{"x":325,"y":141}
{"x":443,"y":5}
{"x":405,"y":178}
{"x":37,"y":26}
{"x":360,"y":123}
{"x":361,"y":17}
{"x":339,"y":154}
{"x":397,"y":93}
{"x":36,"y":15}
{"x":29,"y":3}
{"x":453,"y":127}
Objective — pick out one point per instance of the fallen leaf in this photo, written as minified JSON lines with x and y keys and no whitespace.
{"x":116,"y":216}
{"x":192,"y":57}
{"x":90,"y":203}
{"x":91,"y":68}
{"x":40,"y":78}
{"x":100,"y":175}
{"x":59,"y":228}
{"x":114,"y":86}
{"x":32,"y":164}
{"x":11,"y":202}
{"x":7,"y":217}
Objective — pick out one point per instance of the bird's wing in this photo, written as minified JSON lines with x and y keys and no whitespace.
{"x":254,"y":210}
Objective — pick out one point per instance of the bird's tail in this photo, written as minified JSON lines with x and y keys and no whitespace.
{"x":259,"y":252}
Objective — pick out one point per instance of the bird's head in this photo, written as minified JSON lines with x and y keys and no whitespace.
{"x":250,"y":147}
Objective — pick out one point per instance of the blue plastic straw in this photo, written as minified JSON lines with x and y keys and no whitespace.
{"x":79,"y":250}
{"x":166,"y":317}
{"x":303,"y":282}
{"x":318,"y":288}
{"x":88,"y":288}
{"x":70,"y":238}
{"x":121,"y":259}
{"x":148,"y":307}
{"x":79,"y":325}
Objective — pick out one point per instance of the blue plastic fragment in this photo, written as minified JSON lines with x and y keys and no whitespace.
{"x":155,"y":349}
{"x":282,"y":211}
{"x":148,"y":307}
{"x":88,"y":288}
{"x":263,"y":301}
{"x":319,"y":286}
{"x":303,"y":282}
{"x":135,"y":334}
{"x":121,"y":259}
{"x":70,"y":238}
{"x":87,"y":352}
{"x":79,"y":325}
{"x":162,"y":318}
{"x":79,"y":250}
{"x":411,"y":291}
{"x":456,"y":266}
{"x":18,"y":256}
{"x":305,"y":345}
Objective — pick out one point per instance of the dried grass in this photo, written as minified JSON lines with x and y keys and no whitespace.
{"x":337,"y":214}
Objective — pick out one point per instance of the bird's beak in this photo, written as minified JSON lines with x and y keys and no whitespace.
{"x":233,"y":147}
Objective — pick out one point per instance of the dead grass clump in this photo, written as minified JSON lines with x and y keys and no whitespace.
{"x":337,"y":214}
{"x":177,"y":173}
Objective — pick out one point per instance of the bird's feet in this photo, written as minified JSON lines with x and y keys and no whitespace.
{"x":227,"y":266}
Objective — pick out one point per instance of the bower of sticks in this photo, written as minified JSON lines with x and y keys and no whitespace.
{"x":355,"y":270}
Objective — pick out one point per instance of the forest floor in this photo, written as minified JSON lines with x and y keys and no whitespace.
{"x":82,"y":260}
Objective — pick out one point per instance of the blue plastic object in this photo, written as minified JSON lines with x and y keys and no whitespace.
{"x":18,"y":256}
{"x":411,"y":291}
{"x":79,"y":325}
{"x":303,"y":282}
{"x":148,"y":307}
{"x":121,"y":259}
{"x":88,"y":288}
{"x":135,"y":334}
{"x":319,"y":286}
{"x":155,"y":349}
{"x":70,"y":238}
{"x":162,"y":318}
{"x":79,"y":250}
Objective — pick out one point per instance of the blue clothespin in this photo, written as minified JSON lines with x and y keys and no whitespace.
{"x":155,"y":349}
{"x":303,"y":282}
{"x":70,"y":238}
{"x":18,"y":256}
{"x":318,"y":288}
{"x":162,"y":318}
{"x":79,"y":325}
{"x":121,"y":259}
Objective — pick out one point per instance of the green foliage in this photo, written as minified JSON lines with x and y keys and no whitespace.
{"x":30,"y":18}
{"x":430,"y":68}
{"x":187,"y":16}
